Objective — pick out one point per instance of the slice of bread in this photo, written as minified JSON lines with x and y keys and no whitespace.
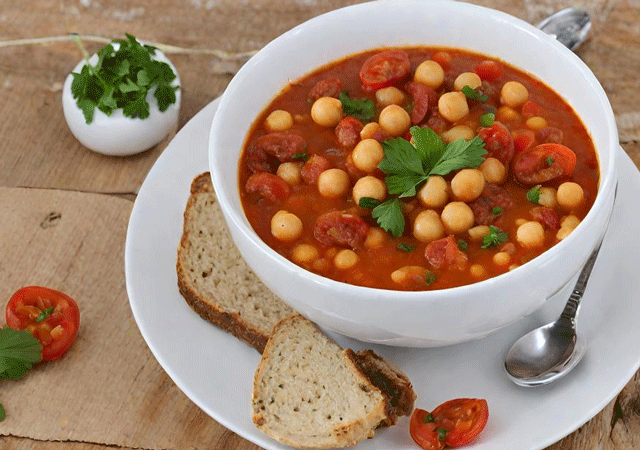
{"x":309,"y":393}
{"x":214,"y":279}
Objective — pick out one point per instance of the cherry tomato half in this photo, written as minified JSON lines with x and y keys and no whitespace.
{"x":462,"y":418}
{"x":424,"y":430}
{"x":385,"y":68}
{"x":51,"y":316}
{"x":543,"y":162}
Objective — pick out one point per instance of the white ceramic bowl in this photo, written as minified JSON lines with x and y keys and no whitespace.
{"x":116,"y":134}
{"x":420,"y":319}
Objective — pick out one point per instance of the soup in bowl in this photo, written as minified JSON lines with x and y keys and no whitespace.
{"x":419,"y":183}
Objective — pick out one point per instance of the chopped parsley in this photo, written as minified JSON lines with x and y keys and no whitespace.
{"x":487,"y":119}
{"x":442,"y":434}
{"x":2,"y":414}
{"x":429,"y":278}
{"x":474,"y":94}
{"x":428,"y":418}
{"x":496,"y":210}
{"x":406,"y":247}
{"x":122,"y":78}
{"x":368,"y":202}
{"x":463,"y":245}
{"x":533,"y":194}
{"x":494,"y":237}
{"x":300,"y":157}
{"x":407,"y":166}
{"x":44,"y":314}
{"x":363,"y":109}
{"x":549,"y":160}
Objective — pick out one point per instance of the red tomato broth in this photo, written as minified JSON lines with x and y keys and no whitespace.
{"x":375,"y":265}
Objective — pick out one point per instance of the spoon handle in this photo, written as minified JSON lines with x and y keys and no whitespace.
{"x":571,"y":308}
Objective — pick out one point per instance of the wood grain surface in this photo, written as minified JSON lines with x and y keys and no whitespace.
{"x":65,"y":209}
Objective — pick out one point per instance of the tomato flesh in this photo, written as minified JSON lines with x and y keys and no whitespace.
{"x":51,"y":316}
{"x":463,"y":418}
{"x":424,"y":430}
{"x":543,"y":163}
{"x":385,"y":68}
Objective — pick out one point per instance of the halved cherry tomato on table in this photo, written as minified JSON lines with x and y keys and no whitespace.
{"x":424,"y":430}
{"x":543,"y":163}
{"x":462,"y":418}
{"x":51,"y":316}
{"x":385,"y":68}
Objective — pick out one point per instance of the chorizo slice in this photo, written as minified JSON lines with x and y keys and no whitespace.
{"x":444,"y":252}
{"x":312,"y":169}
{"x":493,"y":196}
{"x":340,"y":228}
{"x":281,"y":145}
{"x":268,"y":186}
{"x":328,"y":87}
{"x":348,"y":132}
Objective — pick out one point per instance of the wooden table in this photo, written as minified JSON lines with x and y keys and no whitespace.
{"x":65,"y":209}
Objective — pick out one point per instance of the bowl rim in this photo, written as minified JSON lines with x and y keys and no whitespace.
{"x":606,"y":182}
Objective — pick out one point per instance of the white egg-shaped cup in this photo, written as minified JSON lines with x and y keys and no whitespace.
{"x":116,"y":134}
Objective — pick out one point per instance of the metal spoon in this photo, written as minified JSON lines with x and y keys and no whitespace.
{"x":569,"y":26}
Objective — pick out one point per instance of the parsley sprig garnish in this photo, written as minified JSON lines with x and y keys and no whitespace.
{"x":122,"y":78}
{"x":362,"y":109}
{"x":494,"y":237}
{"x":408,"y":165}
{"x":19,"y":351}
{"x":474,"y":94}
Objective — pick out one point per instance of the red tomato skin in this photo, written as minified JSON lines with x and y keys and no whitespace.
{"x":425,"y":434}
{"x":385,"y":68}
{"x":450,"y":414}
{"x":66,"y":315}
{"x":488,"y":70}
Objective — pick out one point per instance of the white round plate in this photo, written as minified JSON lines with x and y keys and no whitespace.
{"x":215,"y":370}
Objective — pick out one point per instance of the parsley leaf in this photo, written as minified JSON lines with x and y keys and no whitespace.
{"x":368,"y":202}
{"x":19,"y":351}
{"x":407,"y":166}
{"x":363,"y":109}
{"x":429,"y":278}
{"x":463,"y":245}
{"x":494,"y":238}
{"x":2,"y":414}
{"x":474,"y":94}
{"x":44,"y":314}
{"x":121,"y":79}
{"x":487,"y":119}
{"x":389,"y":216}
{"x":533,"y":194}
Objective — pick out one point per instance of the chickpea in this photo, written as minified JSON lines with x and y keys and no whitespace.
{"x":470,"y":79}
{"x":290,"y":172}
{"x":521,"y":221}
{"x":333,"y":183}
{"x":429,"y":73}
{"x":427,"y":226}
{"x":394,"y":120}
{"x":434,"y":193}
{"x":507,"y":114}
{"x":458,"y":132}
{"x":457,"y":217}
{"x":501,"y":258}
{"x":389,"y":96}
{"x":345,"y":259}
{"x":547,"y":197}
{"x":570,"y":195}
{"x":514,"y":94}
{"x":369,"y":130}
{"x":570,"y":221}
{"x":304,"y":253}
{"x":530,"y":234}
{"x":327,"y":111}
{"x":407,"y":273}
{"x":369,"y":186}
{"x":367,"y":154}
{"x":536,"y":123}
{"x":478,"y":232}
{"x":493,"y":171}
{"x":278,"y":120}
{"x":453,"y":106}
{"x":467,"y":185}
{"x":477,"y":271}
{"x":563,"y":232}
{"x":375,"y":237}
{"x":286,"y":226}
